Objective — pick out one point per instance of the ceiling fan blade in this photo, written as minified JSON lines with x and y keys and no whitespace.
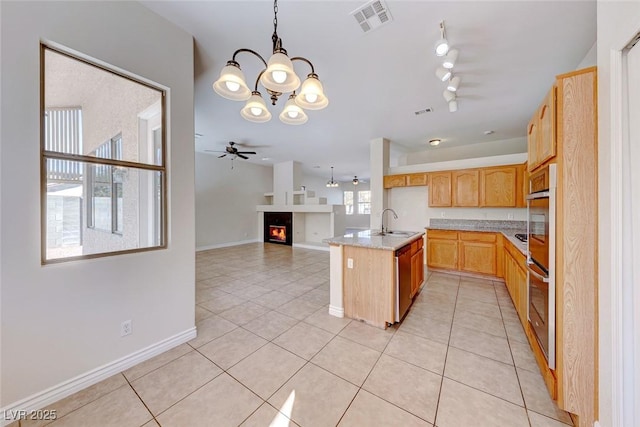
{"x":244,"y":157}
{"x":246,"y":152}
{"x":224,"y":155}
{"x":214,"y":151}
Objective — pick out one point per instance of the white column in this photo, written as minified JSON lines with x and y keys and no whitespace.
{"x":336,"y":305}
{"x":379,"y":153}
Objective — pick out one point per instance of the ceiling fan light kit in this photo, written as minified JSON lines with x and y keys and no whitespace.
{"x":445,"y":72}
{"x":277,"y":77}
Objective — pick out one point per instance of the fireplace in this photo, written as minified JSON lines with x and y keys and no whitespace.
{"x":278,"y":228}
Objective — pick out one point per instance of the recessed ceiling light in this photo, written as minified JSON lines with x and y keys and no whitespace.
{"x":435,"y":142}
{"x":266,"y":158}
{"x":488,"y":132}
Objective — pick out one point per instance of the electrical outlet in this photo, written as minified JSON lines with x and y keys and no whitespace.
{"x":509,"y":216}
{"x":442,"y":214}
{"x":125,"y":328}
{"x":349,"y":262}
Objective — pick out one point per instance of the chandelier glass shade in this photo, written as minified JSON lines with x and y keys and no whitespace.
{"x":277,"y":77}
{"x":331,"y":183}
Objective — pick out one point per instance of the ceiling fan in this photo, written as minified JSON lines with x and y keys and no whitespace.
{"x":232,"y":150}
{"x":357,"y":181}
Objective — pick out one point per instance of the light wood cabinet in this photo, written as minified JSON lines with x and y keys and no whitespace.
{"x":369,"y":287}
{"x":499,"y":186}
{"x":476,"y":257}
{"x":465,"y":188}
{"x":417,"y":268}
{"x":442,"y":249}
{"x":472,"y":252}
{"x":440,"y":189}
{"x":417,"y":179}
{"x":541,"y":134}
{"x":391,"y":181}
{"x":515,"y":278}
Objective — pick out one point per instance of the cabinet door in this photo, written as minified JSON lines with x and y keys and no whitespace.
{"x":547,"y":123}
{"x":499,"y":186}
{"x":417,"y":271}
{"x":477,"y":257}
{"x":442,"y":254}
{"x":465,"y":187}
{"x":416,"y":179}
{"x":523,"y":294}
{"x":440,"y":189}
{"x":532,"y":142}
{"x":390,"y":181}
{"x":522,"y":182}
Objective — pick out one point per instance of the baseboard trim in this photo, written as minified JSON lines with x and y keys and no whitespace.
{"x":336,"y":311}
{"x":314,"y":247}
{"x":227,"y":244}
{"x":82,"y":381}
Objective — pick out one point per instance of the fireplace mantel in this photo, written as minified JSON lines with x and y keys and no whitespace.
{"x":300,"y":208}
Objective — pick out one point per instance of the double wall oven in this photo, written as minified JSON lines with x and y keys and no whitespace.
{"x":541,"y":229}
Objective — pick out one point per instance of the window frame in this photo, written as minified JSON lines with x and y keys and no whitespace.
{"x":346,"y":205}
{"x":115,"y":151}
{"x":92,"y":160}
{"x":364,"y":203}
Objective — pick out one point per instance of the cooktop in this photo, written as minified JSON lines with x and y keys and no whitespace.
{"x":521,"y":237}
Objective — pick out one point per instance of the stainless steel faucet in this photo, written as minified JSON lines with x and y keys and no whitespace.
{"x":395,"y":215}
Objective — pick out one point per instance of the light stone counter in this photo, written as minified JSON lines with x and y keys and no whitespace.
{"x":371,"y":239}
{"x":507,"y":228}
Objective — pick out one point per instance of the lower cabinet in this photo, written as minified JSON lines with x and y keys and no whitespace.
{"x":472,"y":252}
{"x":417,"y":267}
{"x":515,"y":278}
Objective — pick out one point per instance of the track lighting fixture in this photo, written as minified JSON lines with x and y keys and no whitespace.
{"x":453,"y":84}
{"x":277,"y":77}
{"x":445,"y":72}
{"x":442,"y":45}
{"x":450,"y":60}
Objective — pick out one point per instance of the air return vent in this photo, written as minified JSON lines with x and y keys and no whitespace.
{"x":372,"y":15}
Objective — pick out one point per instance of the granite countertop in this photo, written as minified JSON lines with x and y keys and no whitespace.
{"x":508,"y":228}
{"x":369,"y":239}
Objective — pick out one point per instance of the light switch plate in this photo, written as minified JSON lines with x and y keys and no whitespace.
{"x":349,"y":262}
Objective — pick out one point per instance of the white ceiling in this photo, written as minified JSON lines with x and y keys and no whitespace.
{"x":510,"y":52}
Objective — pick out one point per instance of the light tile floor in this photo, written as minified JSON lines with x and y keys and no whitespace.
{"x":268,"y":352}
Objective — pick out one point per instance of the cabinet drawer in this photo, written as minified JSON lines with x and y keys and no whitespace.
{"x":469,"y":236}
{"x":442,"y":234}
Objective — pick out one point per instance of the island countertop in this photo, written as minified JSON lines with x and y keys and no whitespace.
{"x":372,"y":239}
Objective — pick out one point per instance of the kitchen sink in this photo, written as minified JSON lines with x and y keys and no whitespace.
{"x":394,"y":233}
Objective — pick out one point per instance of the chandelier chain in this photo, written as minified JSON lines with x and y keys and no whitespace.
{"x":274,"y":37}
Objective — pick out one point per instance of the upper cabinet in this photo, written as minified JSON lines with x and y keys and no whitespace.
{"x":541,"y":132}
{"x":465,"y":188}
{"x":440,"y":189}
{"x":499,"y":186}
{"x":405,"y":180}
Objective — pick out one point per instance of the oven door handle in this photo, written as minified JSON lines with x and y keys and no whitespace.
{"x":536,"y":274}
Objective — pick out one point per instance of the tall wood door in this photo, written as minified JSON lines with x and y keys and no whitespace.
{"x":478,"y":257}
{"x":442,"y":254}
{"x":498,"y":186}
{"x":465,"y":187}
{"x":440,"y":189}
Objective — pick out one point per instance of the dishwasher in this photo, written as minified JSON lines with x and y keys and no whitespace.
{"x":403,"y":281}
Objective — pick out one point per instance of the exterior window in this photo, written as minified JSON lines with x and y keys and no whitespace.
{"x":104,"y":201}
{"x":348,"y":202}
{"x":103,"y":161}
{"x":364,"y":202}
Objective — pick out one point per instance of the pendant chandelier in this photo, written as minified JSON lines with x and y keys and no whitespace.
{"x":332,"y":183}
{"x":277,"y":77}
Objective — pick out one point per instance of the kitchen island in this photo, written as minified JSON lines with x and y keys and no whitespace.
{"x":374,"y":275}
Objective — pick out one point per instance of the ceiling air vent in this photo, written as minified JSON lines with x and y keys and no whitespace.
{"x":372,"y":15}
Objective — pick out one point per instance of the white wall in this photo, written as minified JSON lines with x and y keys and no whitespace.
{"x":590,"y":59}
{"x":319,"y":185}
{"x":226,"y":199}
{"x":617,"y":22}
{"x":442,"y":153}
{"x":63,"y":320}
{"x":411,"y":205}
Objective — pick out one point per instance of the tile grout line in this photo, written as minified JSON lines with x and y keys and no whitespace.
{"x":446,"y":355}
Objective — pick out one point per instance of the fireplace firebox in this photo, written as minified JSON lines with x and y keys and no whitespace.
{"x":278,"y":227}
